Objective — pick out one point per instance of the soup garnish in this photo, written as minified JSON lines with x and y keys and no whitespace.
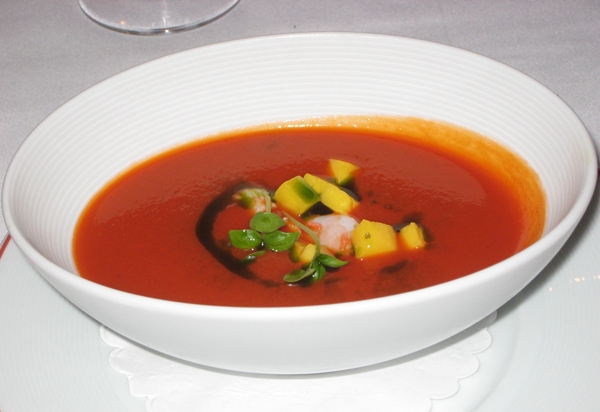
{"x":324,"y":206}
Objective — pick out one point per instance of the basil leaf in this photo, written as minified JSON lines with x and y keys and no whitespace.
{"x":253,"y":256}
{"x":279,"y":241}
{"x":298,"y":275}
{"x":320,"y":272}
{"x":266,"y":222}
{"x":245,"y":239}
{"x":331,"y":261}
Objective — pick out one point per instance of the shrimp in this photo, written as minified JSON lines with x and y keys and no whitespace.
{"x":334,"y":232}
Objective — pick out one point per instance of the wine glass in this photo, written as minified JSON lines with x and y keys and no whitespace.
{"x":154,"y":16}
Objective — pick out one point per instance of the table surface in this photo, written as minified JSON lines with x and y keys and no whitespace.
{"x":50,"y":51}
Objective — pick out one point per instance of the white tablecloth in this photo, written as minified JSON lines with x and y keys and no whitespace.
{"x":50,"y":52}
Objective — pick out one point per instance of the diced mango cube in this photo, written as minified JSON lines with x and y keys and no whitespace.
{"x":316,"y":183}
{"x":296,"y":195}
{"x":305,"y":252}
{"x":296,"y":250}
{"x":373,"y":238}
{"x":308,"y":253}
{"x":337,"y":200}
{"x":412,"y":236}
{"x":331,"y":196}
{"x":342,"y":171}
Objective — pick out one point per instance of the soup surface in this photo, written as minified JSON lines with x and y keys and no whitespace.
{"x":477,"y":203}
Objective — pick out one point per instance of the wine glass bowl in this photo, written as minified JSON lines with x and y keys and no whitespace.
{"x":154,"y":16}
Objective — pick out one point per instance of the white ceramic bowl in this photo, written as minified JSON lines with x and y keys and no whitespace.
{"x":140,"y":112}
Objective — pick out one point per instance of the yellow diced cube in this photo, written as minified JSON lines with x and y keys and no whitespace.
{"x":296,"y":250}
{"x":337,"y":200}
{"x":331,"y":196}
{"x":304,"y":253}
{"x":373,"y":238}
{"x":308,"y":253}
{"x":296,"y":195}
{"x":412,"y":236}
{"x":342,"y":171}
{"x":316,"y":183}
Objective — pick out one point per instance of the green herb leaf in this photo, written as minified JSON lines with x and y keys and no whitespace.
{"x":253,"y":256}
{"x":266,"y":222}
{"x":298,"y":275}
{"x":320,"y":272}
{"x":331,"y":261}
{"x":279,"y":241}
{"x":245,"y":239}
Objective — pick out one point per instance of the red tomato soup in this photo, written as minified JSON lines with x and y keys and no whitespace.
{"x":158,"y":229}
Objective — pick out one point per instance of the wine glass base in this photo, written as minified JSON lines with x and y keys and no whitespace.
{"x":154,"y":16}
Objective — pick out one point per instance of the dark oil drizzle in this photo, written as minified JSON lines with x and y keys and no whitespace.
{"x":204,"y":233}
{"x":391,"y":269}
